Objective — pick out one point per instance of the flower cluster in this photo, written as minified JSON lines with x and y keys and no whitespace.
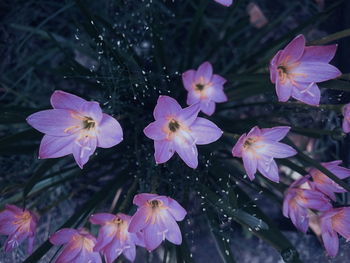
{"x":154,"y":221}
{"x":306,"y":197}
{"x":76,"y":126}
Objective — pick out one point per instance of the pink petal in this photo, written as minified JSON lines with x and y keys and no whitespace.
{"x":319,"y":53}
{"x":224,"y":2}
{"x":54,"y":146}
{"x":153,"y":236}
{"x":250,"y":164}
{"x":176,"y":210}
{"x":278,"y":150}
{"x":157,"y":130}
{"x":192,"y":98}
{"x":130,"y":253}
{"x":164,"y":150}
{"x":173,"y":233}
{"x":294,"y":50}
{"x":188,"y":79}
{"x":273,"y":67}
{"x":217,"y":94}
{"x":30,"y":244}
{"x":255,"y":131}
{"x":166,"y":106}
{"x":7,"y":227}
{"x":331,"y":242}
{"x":101,"y":218}
{"x":275,"y":133}
{"x":340,"y":172}
{"x":204,"y":71}
{"x":92,"y":109}
{"x":142,"y":199}
{"x":188,"y":153}
{"x":307,"y":93}
{"x":208,"y":107}
{"x":54,"y":122}
{"x":314,"y":72}
{"x":189,"y":114}
{"x":346,"y":125}
{"x":268,"y":168}
{"x":67,"y":101}
{"x":105,"y":236}
{"x":70,"y":253}
{"x":14,"y":209}
{"x":218,"y":80}
{"x":237,"y":149}
{"x":62,"y":236}
{"x":205,"y":131}
{"x":14,"y":240}
{"x":83,"y":149}
{"x":109,"y":132}
{"x":139,"y":219}
{"x":298,"y":215}
{"x":284,"y":91}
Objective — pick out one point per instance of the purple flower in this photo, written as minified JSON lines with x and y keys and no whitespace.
{"x":179,"y":130}
{"x":17,"y":224}
{"x":296,"y":69}
{"x":299,"y":198}
{"x":156,"y":217}
{"x":224,"y":2}
{"x":79,"y":246}
{"x":258,"y":149}
{"x":74,"y":126}
{"x":322,"y":183}
{"x":203,"y":87}
{"x":335,"y":221}
{"x":114,"y":238}
{"x":346,"y":120}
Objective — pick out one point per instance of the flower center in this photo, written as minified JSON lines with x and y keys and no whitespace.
{"x":88,"y":123}
{"x":154,"y":203}
{"x":249,"y":142}
{"x":174,"y":125}
{"x":282,"y":73}
{"x":118,"y":221}
{"x":200,"y":87}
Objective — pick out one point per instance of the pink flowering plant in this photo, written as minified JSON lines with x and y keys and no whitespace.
{"x":174,"y":131}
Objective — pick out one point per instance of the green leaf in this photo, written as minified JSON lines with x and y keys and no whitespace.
{"x":332,"y":37}
{"x":42,"y":169}
{"x":223,"y":246}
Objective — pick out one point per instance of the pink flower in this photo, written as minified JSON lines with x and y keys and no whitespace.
{"x":17,"y":224}
{"x":114,"y":238}
{"x":179,"y":130}
{"x":335,"y":221}
{"x":75,"y":126}
{"x":296,"y":69}
{"x":224,"y":2}
{"x":79,"y":246}
{"x":299,"y":198}
{"x":204,"y":87}
{"x":258,"y":149}
{"x":346,"y":120}
{"x":156,"y":217}
{"x":322,"y":183}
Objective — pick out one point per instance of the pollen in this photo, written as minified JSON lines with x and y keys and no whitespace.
{"x":200,"y":87}
{"x":88,"y":123}
{"x":155,"y":203}
{"x":174,"y":125}
{"x":249,"y":142}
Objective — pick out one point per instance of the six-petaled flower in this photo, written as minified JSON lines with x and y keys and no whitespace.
{"x":74,"y":126}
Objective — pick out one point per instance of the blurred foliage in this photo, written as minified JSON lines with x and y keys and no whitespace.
{"x":124,"y":54}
